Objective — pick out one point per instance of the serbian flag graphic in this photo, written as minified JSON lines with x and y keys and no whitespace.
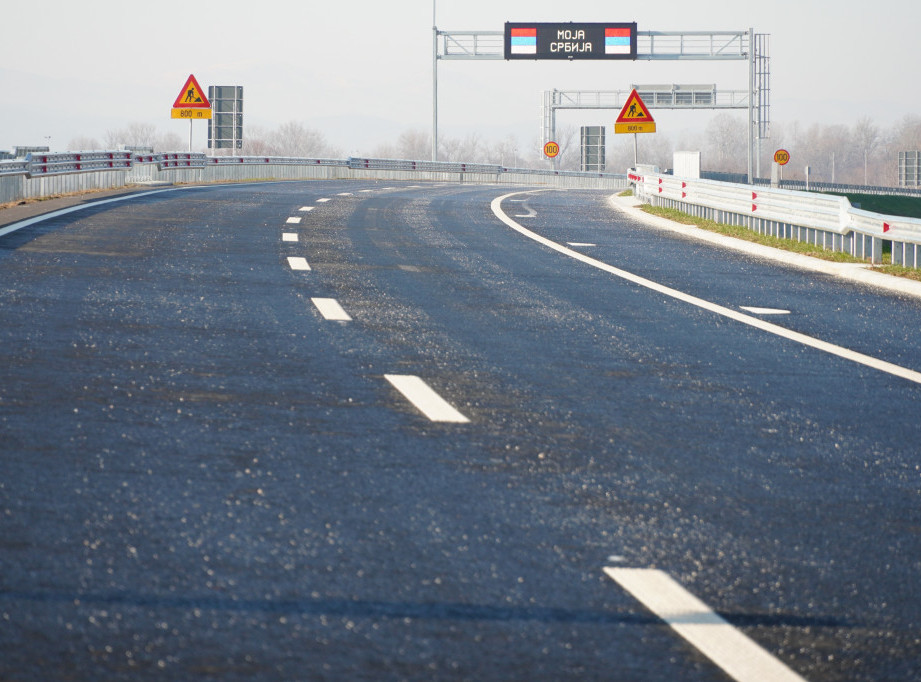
{"x":524,"y":41}
{"x":617,"y":41}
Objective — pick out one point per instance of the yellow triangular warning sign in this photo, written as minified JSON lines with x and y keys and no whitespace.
{"x":634,"y":117}
{"x":191,"y":96}
{"x":634,"y":111}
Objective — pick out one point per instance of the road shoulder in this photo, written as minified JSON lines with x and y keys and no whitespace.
{"x":853,"y":272}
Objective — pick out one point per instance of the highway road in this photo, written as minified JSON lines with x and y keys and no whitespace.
{"x":367,"y":431}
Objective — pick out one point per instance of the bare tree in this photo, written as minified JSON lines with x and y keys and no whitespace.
{"x":168,"y":142}
{"x":727,"y":143}
{"x":570,"y":156}
{"x":504,"y":153}
{"x":82,"y":143}
{"x":294,"y":139}
{"x":413,"y":144}
{"x":866,"y":139}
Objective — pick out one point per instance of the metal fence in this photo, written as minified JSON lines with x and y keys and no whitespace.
{"x":45,"y":174}
{"x":821,"y":219}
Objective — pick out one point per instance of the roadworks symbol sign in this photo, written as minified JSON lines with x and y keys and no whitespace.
{"x":634,"y":117}
{"x":191,"y":96}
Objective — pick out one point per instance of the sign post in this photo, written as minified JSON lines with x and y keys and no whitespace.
{"x":634,"y":118}
{"x":551,"y":150}
{"x":781,"y":158}
{"x":191,"y":103}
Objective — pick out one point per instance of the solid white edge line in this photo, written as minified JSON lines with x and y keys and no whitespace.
{"x":426,"y":400}
{"x":735,"y":653}
{"x":764,"y":311}
{"x":818,"y":344}
{"x":331,"y":310}
{"x":13,"y":227}
{"x":289,"y":236}
{"x":298,"y":263}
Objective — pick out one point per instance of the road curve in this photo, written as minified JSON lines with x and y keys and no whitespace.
{"x":356,"y":430}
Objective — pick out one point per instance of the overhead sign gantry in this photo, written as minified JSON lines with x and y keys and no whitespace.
{"x":745,"y":46}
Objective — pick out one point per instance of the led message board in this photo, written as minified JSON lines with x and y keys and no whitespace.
{"x":570,"y":41}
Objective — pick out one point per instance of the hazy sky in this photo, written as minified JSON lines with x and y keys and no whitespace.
{"x":360,"y":71}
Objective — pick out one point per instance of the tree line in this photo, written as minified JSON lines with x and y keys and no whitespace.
{"x":860,"y":154}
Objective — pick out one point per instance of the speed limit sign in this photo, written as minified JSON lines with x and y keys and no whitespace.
{"x":782,"y":156}
{"x":551,"y":149}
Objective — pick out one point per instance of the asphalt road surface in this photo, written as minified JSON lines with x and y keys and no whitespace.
{"x":356,"y":431}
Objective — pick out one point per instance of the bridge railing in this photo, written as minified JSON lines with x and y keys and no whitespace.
{"x":47,"y":174}
{"x":820,"y":219}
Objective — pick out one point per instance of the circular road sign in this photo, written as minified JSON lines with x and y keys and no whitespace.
{"x":782,"y":156}
{"x":551,"y":149}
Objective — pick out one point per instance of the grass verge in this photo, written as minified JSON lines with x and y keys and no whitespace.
{"x":748,"y":235}
{"x":786,"y":244}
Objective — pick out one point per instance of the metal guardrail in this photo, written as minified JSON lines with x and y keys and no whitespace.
{"x":38,"y":165}
{"x":821,"y":219}
{"x":14,"y":167}
{"x":276,"y":160}
{"x":181,"y":160}
{"x":83,"y":171}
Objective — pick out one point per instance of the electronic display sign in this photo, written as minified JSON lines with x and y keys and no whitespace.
{"x":570,"y":41}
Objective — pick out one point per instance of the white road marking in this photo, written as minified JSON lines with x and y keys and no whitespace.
{"x":581,"y":244}
{"x":289,"y":236}
{"x":293,"y":220}
{"x":305,"y":209}
{"x":322,"y":201}
{"x":344,"y":194}
{"x":764,"y":311}
{"x":426,"y":400}
{"x":298,"y":263}
{"x":331,"y":310}
{"x":818,"y":344}
{"x":366,"y":190}
{"x":737,"y":655}
{"x":9,"y":229}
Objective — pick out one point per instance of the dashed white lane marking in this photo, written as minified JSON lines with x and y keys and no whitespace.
{"x":764,"y":311}
{"x":737,"y":655}
{"x":289,"y":236}
{"x":293,"y":220}
{"x":426,"y":400}
{"x":818,"y":344}
{"x":322,"y":201}
{"x":331,"y":310}
{"x":305,"y":209}
{"x":366,"y":190}
{"x":298,"y":263}
{"x":581,"y":244}
{"x":344,"y":194}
